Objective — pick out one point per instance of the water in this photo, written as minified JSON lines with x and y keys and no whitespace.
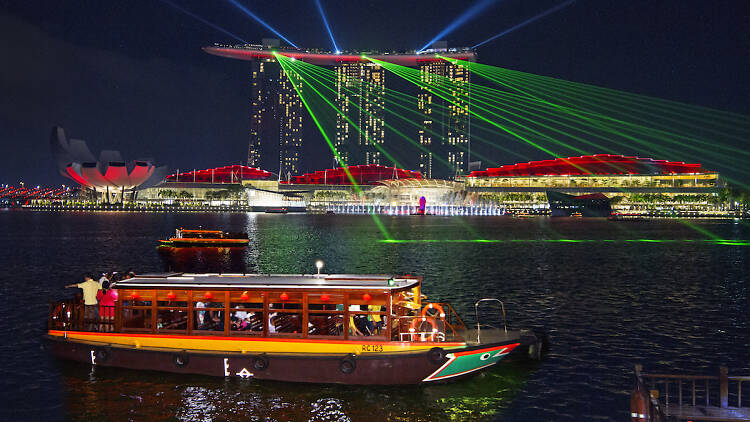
{"x":651,"y":292}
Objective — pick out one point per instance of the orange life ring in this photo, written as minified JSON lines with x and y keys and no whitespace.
{"x":441,"y":311}
{"x":417,"y":322}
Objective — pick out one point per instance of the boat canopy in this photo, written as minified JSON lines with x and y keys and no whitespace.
{"x":268,"y":281}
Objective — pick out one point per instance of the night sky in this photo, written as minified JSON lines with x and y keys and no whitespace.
{"x":131,"y":75}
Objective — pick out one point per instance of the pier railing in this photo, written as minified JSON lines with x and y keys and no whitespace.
{"x":694,"y":397}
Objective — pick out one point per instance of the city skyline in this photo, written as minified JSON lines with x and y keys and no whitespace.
{"x":137,"y":80}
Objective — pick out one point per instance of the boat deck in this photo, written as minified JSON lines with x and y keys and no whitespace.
{"x":489,"y":335}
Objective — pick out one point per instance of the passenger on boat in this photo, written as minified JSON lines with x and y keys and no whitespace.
{"x":359,"y":325}
{"x":377,"y":320}
{"x":105,"y":277}
{"x":240,"y":319}
{"x":106,"y":298}
{"x":201,"y":315}
{"x":90,"y":288}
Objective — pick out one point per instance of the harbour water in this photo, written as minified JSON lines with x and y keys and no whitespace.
{"x":670,"y":294}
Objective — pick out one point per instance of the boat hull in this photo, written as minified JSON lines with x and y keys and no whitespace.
{"x":431,"y":365}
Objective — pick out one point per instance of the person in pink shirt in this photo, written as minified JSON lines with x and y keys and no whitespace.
{"x":107,"y":298}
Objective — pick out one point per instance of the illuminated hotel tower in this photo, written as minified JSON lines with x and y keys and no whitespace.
{"x":360,"y":95}
{"x":275,"y":121}
{"x":444,"y":135}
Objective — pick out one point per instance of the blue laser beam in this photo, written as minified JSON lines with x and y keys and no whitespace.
{"x":469,"y":13}
{"x":328,"y":27}
{"x":194,"y":16}
{"x":526,"y":22}
{"x":261,"y":21}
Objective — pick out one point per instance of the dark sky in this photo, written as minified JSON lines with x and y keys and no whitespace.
{"x":131,"y":76}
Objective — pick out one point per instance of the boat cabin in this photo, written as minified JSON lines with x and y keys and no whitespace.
{"x":345,"y":307}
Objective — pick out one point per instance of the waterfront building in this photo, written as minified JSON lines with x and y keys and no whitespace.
{"x":444,"y":135}
{"x":109,"y":178}
{"x":360,"y":96}
{"x":276,"y":119}
{"x":631,"y":183}
{"x":360,"y":87}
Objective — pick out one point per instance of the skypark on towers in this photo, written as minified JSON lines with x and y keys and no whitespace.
{"x":326,"y":58}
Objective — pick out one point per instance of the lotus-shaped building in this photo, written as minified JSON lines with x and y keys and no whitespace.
{"x":110,"y":173}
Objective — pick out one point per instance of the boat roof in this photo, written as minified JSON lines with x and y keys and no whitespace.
{"x":268,"y":281}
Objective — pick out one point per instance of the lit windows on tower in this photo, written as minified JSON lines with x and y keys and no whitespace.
{"x":360,"y":127}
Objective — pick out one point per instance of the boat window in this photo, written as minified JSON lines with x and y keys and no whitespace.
{"x":171,"y":319}
{"x":136,"y":319}
{"x":368,"y":315}
{"x":246,"y":317}
{"x":326,"y":314}
{"x":209,"y":311}
{"x":284,"y":322}
{"x":326,"y":324}
{"x":136,"y":312}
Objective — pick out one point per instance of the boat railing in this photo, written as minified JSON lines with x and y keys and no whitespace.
{"x":425,"y":329}
{"x":73,"y":315}
{"x":476,"y":314}
{"x":694,"y":396}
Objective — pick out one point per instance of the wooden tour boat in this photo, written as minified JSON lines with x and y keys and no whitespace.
{"x":184,"y":237}
{"x":350,"y":329}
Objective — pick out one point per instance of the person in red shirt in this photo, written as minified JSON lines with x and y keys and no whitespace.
{"x":106,"y":298}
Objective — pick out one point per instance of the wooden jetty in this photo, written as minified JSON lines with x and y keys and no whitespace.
{"x":671,"y":397}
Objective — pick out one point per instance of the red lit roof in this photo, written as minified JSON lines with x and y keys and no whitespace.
{"x":591,"y":164}
{"x":329,"y":59}
{"x":226,"y":174}
{"x":363,"y":175}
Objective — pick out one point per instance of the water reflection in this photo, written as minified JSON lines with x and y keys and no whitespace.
{"x":109,"y":392}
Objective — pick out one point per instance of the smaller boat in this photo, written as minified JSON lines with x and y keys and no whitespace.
{"x":277,"y":211}
{"x":523,"y":215}
{"x":184,"y":237}
{"x":576,"y":214}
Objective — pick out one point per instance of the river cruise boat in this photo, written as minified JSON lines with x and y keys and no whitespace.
{"x":185,"y":237}
{"x":348,"y":329}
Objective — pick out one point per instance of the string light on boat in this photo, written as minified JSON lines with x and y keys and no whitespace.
{"x":244,"y":295}
{"x":319,"y":265}
{"x":135,"y":296}
{"x":171,"y":295}
{"x":325,"y":298}
{"x":208,"y":295}
{"x":284,"y":296}
{"x":366,"y":297}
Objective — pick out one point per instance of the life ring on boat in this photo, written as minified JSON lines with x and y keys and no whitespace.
{"x":103,"y":353}
{"x":181,"y":359}
{"x":639,"y":406}
{"x":348,"y":364}
{"x":260,"y":362}
{"x":416,"y":325}
{"x":436,"y":355}
{"x":440,"y":314}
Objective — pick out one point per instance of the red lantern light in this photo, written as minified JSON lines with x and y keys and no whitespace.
{"x":208,"y":295}
{"x":325,"y":298}
{"x":245,"y":296}
{"x":171,"y":295}
{"x":366,"y":297}
{"x":135,"y":296}
{"x":284,"y":296}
